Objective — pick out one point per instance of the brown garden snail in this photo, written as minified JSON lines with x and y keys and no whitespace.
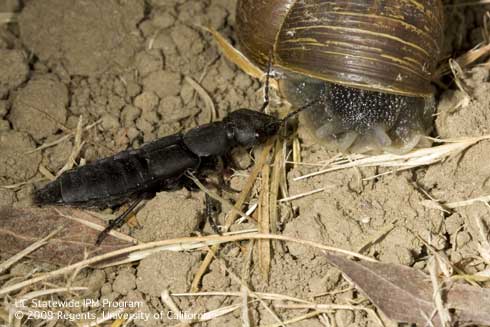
{"x":367,"y":64}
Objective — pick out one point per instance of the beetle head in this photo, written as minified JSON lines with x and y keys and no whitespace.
{"x":252,"y":127}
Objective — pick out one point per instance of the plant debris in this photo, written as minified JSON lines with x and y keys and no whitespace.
{"x":20,"y":228}
{"x":405,"y":294}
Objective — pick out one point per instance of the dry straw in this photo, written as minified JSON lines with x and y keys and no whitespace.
{"x":181,"y":244}
{"x":417,"y":158}
{"x":205,"y":97}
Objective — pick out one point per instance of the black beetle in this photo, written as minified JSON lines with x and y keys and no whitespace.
{"x":160,"y":165}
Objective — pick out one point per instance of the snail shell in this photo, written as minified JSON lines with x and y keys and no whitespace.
{"x":369,"y":62}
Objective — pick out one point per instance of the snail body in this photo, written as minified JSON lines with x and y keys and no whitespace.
{"x":370,"y":63}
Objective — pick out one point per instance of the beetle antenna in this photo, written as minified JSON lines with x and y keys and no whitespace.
{"x":267,"y":76}
{"x":300,"y":109}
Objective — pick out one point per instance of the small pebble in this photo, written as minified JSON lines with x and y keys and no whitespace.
{"x":133,"y":88}
{"x":144,"y":125}
{"x":172,"y":109}
{"x":163,"y":83}
{"x":129,"y":115}
{"x":162,"y":20}
{"x":7,"y":197}
{"x":344,"y":317}
{"x":146,"y":28}
{"x":149,"y":61}
{"x":110,"y":122}
{"x":146,"y":101}
{"x":124,"y":282}
{"x":462,"y":239}
{"x":132,"y":134}
{"x":39,"y":108}
{"x":13,"y":70}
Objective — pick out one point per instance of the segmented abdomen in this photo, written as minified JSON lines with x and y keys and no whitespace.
{"x":111,"y":181}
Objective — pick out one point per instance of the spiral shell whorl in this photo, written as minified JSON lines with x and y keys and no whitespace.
{"x":258,"y":25}
{"x":370,"y":62}
{"x":380,"y":45}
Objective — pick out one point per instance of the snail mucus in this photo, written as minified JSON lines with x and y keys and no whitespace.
{"x":366,"y":64}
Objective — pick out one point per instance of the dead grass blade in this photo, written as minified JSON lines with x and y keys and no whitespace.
{"x":296,"y":151}
{"x":278,"y":170}
{"x":245,"y":314}
{"x":92,"y":220}
{"x":464,"y":60}
{"x":437,"y":286}
{"x":458,"y":204}
{"x":263,"y":295}
{"x":32,"y":295}
{"x":249,"y":213}
{"x":231,"y":216}
{"x":244,"y":308}
{"x":46,"y":173}
{"x":170,"y":303}
{"x":442,"y":259}
{"x":236,"y":57}
{"x":481,"y":276}
{"x":77,"y":147}
{"x":205,"y":97}
{"x":322,"y":307}
{"x":210,"y":315}
{"x":460,"y":80}
{"x":474,"y":54}
{"x":244,"y":285}
{"x":302,"y":195}
{"x":296,"y":319}
{"x":179,"y":241}
{"x":140,"y":255}
{"x":445,"y":207}
{"x":377,"y":237}
{"x":434,"y":204}
{"x":63,"y":138}
{"x":218,"y":198}
{"x":264,"y":246}
{"x":280,"y":301}
{"x":17,"y":185}
{"x":405,"y":294}
{"x":419,"y":157}
{"x":111,"y":315}
{"x":331,"y":307}
{"x":206,"y":316}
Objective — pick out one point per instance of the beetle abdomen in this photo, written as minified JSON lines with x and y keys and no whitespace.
{"x":114,"y":180}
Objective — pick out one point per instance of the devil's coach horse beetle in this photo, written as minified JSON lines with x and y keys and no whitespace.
{"x":160,"y":165}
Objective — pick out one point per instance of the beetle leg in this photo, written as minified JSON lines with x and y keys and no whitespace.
{"x":189,"y":184}
{"x":230,"y":162}
{"x":118,"y":222}
{"x":217,"y":169}
{"x":222,"y":169}
{"x":213,"y":207}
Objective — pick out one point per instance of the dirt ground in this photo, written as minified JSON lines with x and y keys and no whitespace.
{"x":126,"y":63}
